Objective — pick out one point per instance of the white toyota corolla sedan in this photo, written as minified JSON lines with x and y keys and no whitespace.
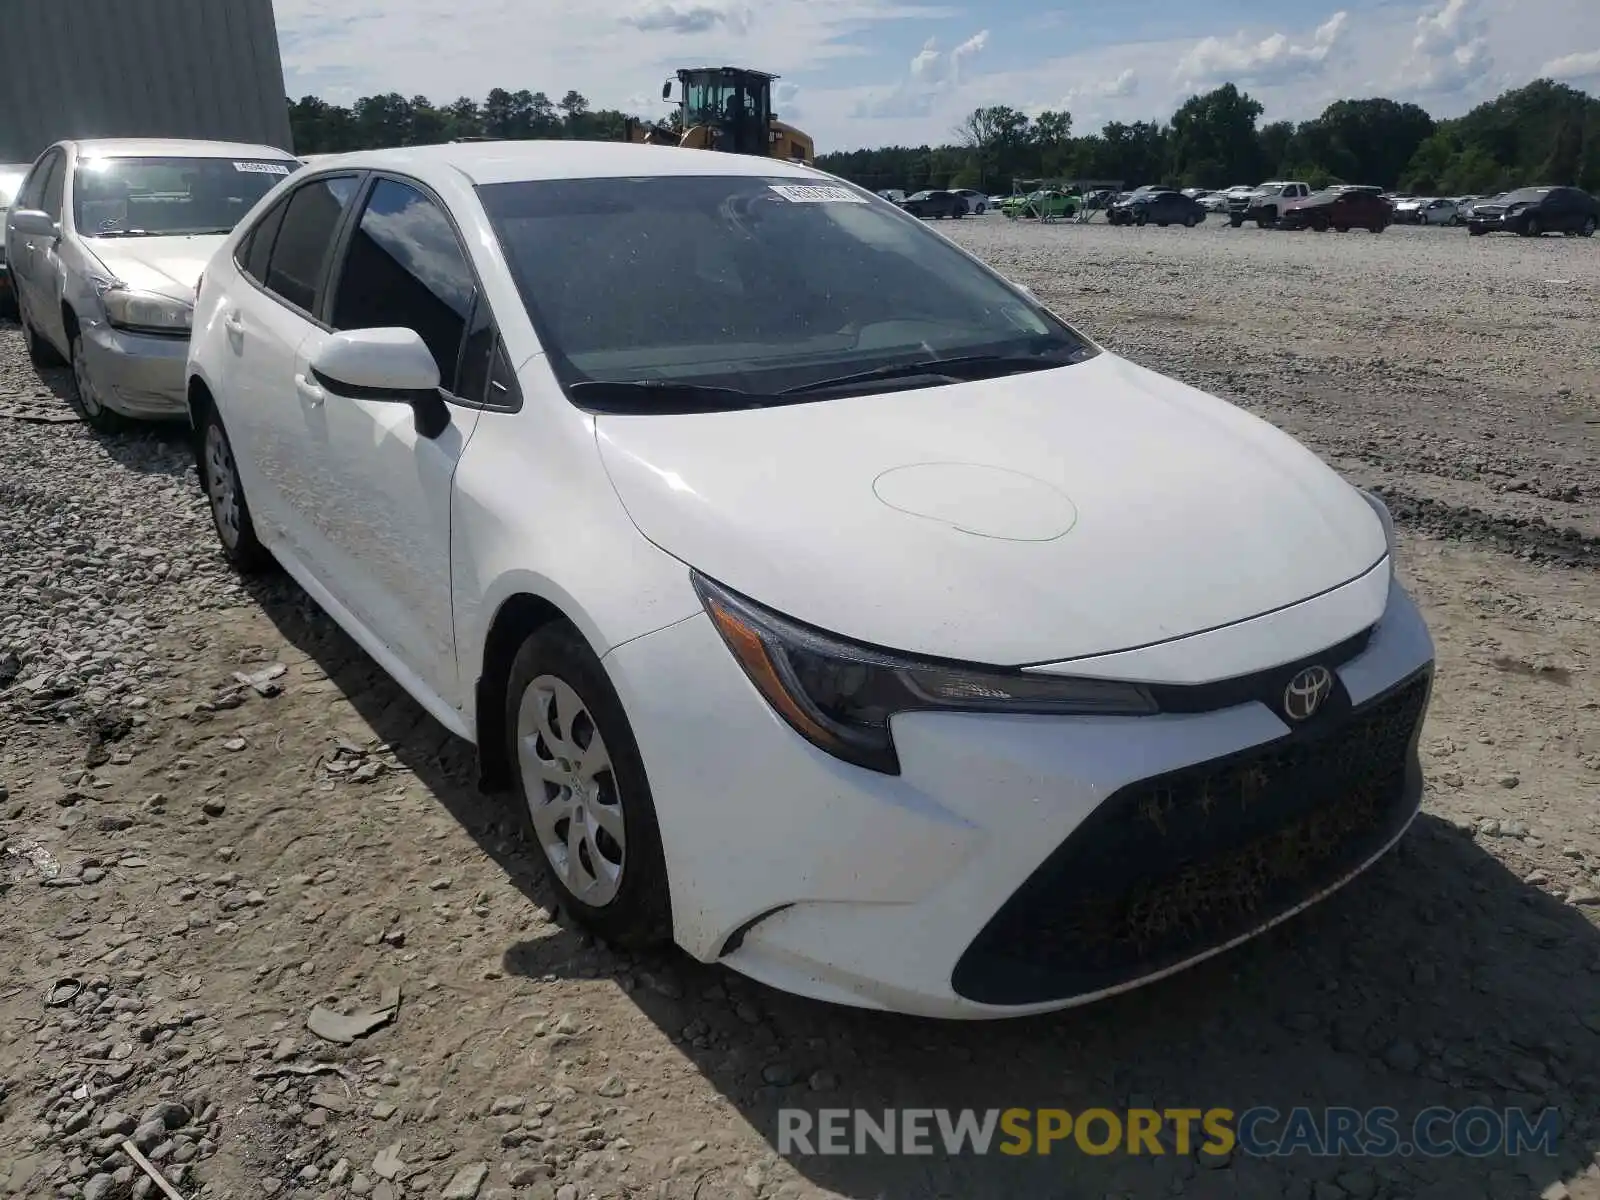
{"x":828,"y":605}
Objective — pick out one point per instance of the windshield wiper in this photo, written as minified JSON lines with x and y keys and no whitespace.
{"x":661,"y":395}
{"x":117,"y":233}
{"x":966,"y":367}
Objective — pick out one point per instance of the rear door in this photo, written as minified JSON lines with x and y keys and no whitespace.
{"x":269,"y":318}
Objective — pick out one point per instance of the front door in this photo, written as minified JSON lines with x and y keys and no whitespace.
{"x":380,"y":490}
{"x":24,"y":253}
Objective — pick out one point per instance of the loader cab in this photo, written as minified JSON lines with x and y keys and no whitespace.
{"x":734,"y":103}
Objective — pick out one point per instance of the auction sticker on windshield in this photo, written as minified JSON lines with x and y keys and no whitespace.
{"x":262,"y":168}
{"x":797,"y":193}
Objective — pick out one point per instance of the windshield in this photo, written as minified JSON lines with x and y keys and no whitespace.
{"x":1525,"y":196}
{"x":10,"y":183}
{"x":750,"y":283}
{"x":124,"y":197}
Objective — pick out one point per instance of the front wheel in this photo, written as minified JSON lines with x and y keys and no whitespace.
{"x":1235,"y":222}
{"x":230,"y":512}
{"x":1377,"y":227}
{"x":1142,"y":219}
{"x":85,"y":393}
{"x":583,"y":790}
{"x":40,"y":352}
{"x":1190,"y":221}
{"x":1533,"y":228}
{"x":1589,"y":224}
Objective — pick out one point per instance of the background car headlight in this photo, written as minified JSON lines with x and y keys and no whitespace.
{"x":146,"y":312}
{"x":839,"y":695}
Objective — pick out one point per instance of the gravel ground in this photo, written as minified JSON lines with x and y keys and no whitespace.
{"x":218,"y":814}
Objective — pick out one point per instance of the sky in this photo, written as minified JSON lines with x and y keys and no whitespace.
{"x":857,"y":73}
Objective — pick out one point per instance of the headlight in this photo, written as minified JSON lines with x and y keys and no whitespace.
{"x":1384,"y":516}
{"x":840,"y":696}
{"x":146,"y":312}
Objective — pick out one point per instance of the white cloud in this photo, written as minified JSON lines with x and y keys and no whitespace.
{"x":1272,"y":59}
{"x":932,"y":76}
{"x":671,"y":17}
{"x":1450,"y":50}
{"x":1573,"y":67}
{"x":1123,"y":85}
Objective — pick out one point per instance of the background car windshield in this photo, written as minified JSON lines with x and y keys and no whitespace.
{"x":747,"y":282}
{"x":169,"y":196}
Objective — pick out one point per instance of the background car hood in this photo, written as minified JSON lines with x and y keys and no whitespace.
{"x":1077,"y":511}
{"x":169,"y":266}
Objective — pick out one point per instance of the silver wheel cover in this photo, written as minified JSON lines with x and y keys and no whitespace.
{"x":572,"y":791}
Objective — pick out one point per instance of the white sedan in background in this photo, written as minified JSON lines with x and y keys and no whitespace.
{"x":822,"y":602}
{"x":105,"y":241}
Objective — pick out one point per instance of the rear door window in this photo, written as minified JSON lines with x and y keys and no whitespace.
{"x":300,"y":252}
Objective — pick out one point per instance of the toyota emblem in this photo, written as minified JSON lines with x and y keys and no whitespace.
{"x":1306,"y":693}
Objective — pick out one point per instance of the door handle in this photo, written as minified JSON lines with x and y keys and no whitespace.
{"x":233,"y":324}
{"x":309,"y":392}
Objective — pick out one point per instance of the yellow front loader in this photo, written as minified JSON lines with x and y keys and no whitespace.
{"x":727,"y":109}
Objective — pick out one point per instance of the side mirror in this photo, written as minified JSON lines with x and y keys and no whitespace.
{"x":33,"y":222}
{"x":666,"y":90}
{"x":392,"y":365}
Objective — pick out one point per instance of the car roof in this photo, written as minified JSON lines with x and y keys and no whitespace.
{"x":519,"y":162}
{"x":172,"y":148}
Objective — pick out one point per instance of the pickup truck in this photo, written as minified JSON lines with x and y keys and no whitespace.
{"x":1265,"y":203}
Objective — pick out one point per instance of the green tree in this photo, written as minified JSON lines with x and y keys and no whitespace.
{"x":1214,"y":141}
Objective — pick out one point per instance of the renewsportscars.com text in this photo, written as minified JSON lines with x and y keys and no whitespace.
{"x":1261,"y":1131}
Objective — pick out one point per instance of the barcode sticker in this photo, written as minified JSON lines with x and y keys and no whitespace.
{"x":262,"y":168}
{"x":797,"y":193}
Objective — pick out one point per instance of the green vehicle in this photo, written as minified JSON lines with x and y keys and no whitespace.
{"x":1047,"y":202}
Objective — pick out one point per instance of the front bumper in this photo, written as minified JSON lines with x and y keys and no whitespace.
{"x":138,"y":375}
{"x":1018,"y":864}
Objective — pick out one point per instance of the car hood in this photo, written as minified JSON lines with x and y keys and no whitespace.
{"x":1036,"y":518}
{"x":168,"y":266}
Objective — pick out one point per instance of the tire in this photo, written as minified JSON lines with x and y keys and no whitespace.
{"x":1190,"y":221}
{"x":1342,"y":228}
{"x":1532,"y":228}
{"x":8,"y":301}
{"x":230,"y":511}
{"x":1162,"y":224}
{"x":1377,"y":227}
{"x":84,"y":395}
{"x":559,"y":699}
{"x":1142,"y":219}
{"x":1472,"y":231}
{"x":1235,"y":222}
{"x":1589,"y":224}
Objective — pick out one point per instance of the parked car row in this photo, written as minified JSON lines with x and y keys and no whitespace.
{"x":526,"y":419}
{"x":937,"y":203}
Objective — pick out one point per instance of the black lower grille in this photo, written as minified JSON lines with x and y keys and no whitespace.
{"x":1172,"y":866}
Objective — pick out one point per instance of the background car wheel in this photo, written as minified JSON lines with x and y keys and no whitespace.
{"x":1588,"y":227}
{"x":584,"y":792}
{"x":230,"y":512}
{"x":85,"y":394}
{"x":40,"y":352}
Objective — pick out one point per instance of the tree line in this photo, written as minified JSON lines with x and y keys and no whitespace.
{"x":1546,"y":132}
